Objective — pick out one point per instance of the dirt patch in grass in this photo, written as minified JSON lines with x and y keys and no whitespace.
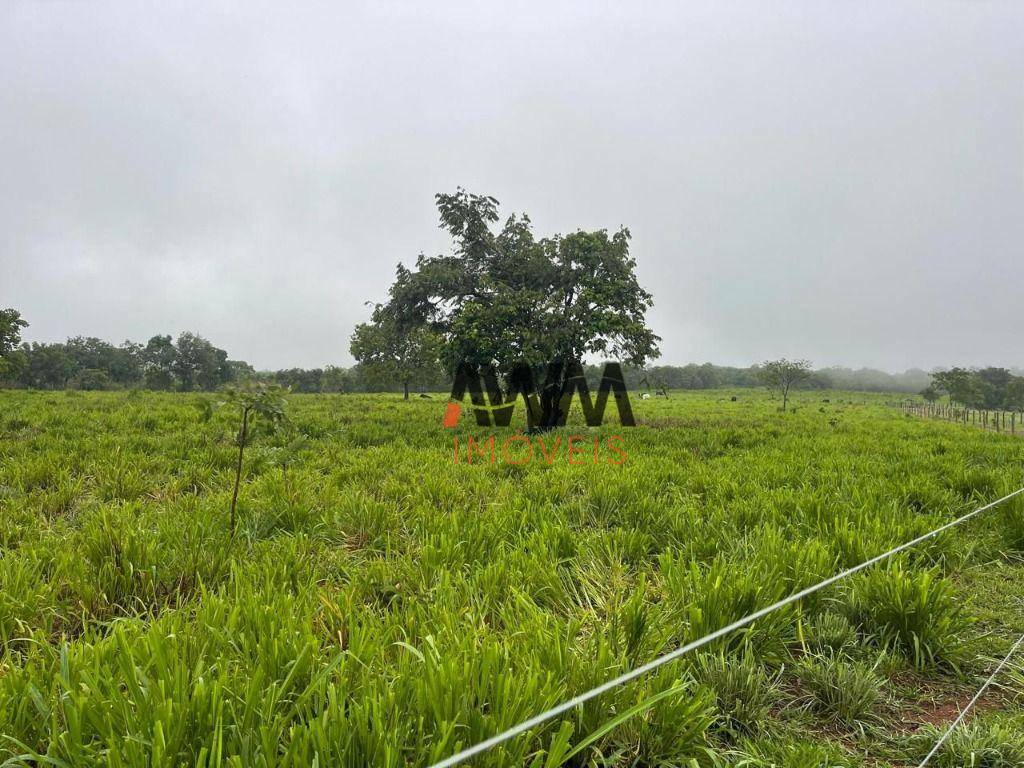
{"x":940,"y":708}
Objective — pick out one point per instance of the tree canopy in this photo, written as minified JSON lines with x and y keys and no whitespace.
{"x":506,"y":296}
{"x":389,"y":353}
{"x":198,"y":364}
{"x":782,"y":375}
{"x":991,"y":388}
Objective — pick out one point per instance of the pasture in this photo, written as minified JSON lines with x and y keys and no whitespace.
{"x":381,"y":604}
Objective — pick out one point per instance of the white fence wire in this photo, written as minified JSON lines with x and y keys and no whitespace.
{"x":970,"y":704}
{"x":533,"y":722}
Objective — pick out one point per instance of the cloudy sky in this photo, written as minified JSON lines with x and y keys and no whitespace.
{"x":838,"y":181}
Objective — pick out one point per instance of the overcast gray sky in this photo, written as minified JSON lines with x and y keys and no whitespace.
{"x":842,"y":181}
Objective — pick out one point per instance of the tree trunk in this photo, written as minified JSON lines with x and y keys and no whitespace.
{"x":242,"y":437}
{"x":405,"y":385}
{"x":551,"y":395}
{"x":549,"y":409}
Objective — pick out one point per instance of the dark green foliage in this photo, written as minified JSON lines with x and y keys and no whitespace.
{"x":990,"y":388}
{"x":389,"y":353}
{"x":92,"y":364}
{"x":505,"y":297}
{"x":198,"y":364}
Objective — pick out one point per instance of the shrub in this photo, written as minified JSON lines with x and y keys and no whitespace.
{"x":743,"y":691}
{"x":790,"y":753}
{"x":831,"y":632}
{"x":1013,"y":524}
{"x":844,"y":690}
{"x":914,"y":613}
{"x":714,"y":596}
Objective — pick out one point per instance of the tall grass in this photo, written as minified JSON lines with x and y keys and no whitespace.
{"x":380,"y":605}
{"x":915,"y":613}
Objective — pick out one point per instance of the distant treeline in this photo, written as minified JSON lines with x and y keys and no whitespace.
{"x":191,"y":362}
{"x":333,"y":378}
{"x":188,"y":363}
{"x":692,"y":376}
{"x":708,"y":376}
{"x":987,"y":388}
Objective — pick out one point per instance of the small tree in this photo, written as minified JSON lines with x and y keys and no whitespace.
{"x":390,"y":354}
{"x":781,"y":375}
{"x":253,"y":400}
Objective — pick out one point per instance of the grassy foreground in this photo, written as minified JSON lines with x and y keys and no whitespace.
{"x":382,"y":605}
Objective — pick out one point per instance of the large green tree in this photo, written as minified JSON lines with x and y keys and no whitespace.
{"x":990,"y":388}
{"x":505,"y":296}
{"x":120,"y":365}
{"x":993,"y":383}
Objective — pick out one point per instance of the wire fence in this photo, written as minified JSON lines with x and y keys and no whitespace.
{"x":995,"y":420}
{"x":633,"y":674}
{"x":963,"y":713}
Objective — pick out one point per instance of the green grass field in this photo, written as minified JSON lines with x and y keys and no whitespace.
{"x":382,"y":605}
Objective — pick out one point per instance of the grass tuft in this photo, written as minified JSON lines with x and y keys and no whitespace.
{"x":912,"y":612}
{"x":843,"y":690}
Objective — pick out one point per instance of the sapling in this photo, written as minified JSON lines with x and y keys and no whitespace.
{"x":253,"y":400}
